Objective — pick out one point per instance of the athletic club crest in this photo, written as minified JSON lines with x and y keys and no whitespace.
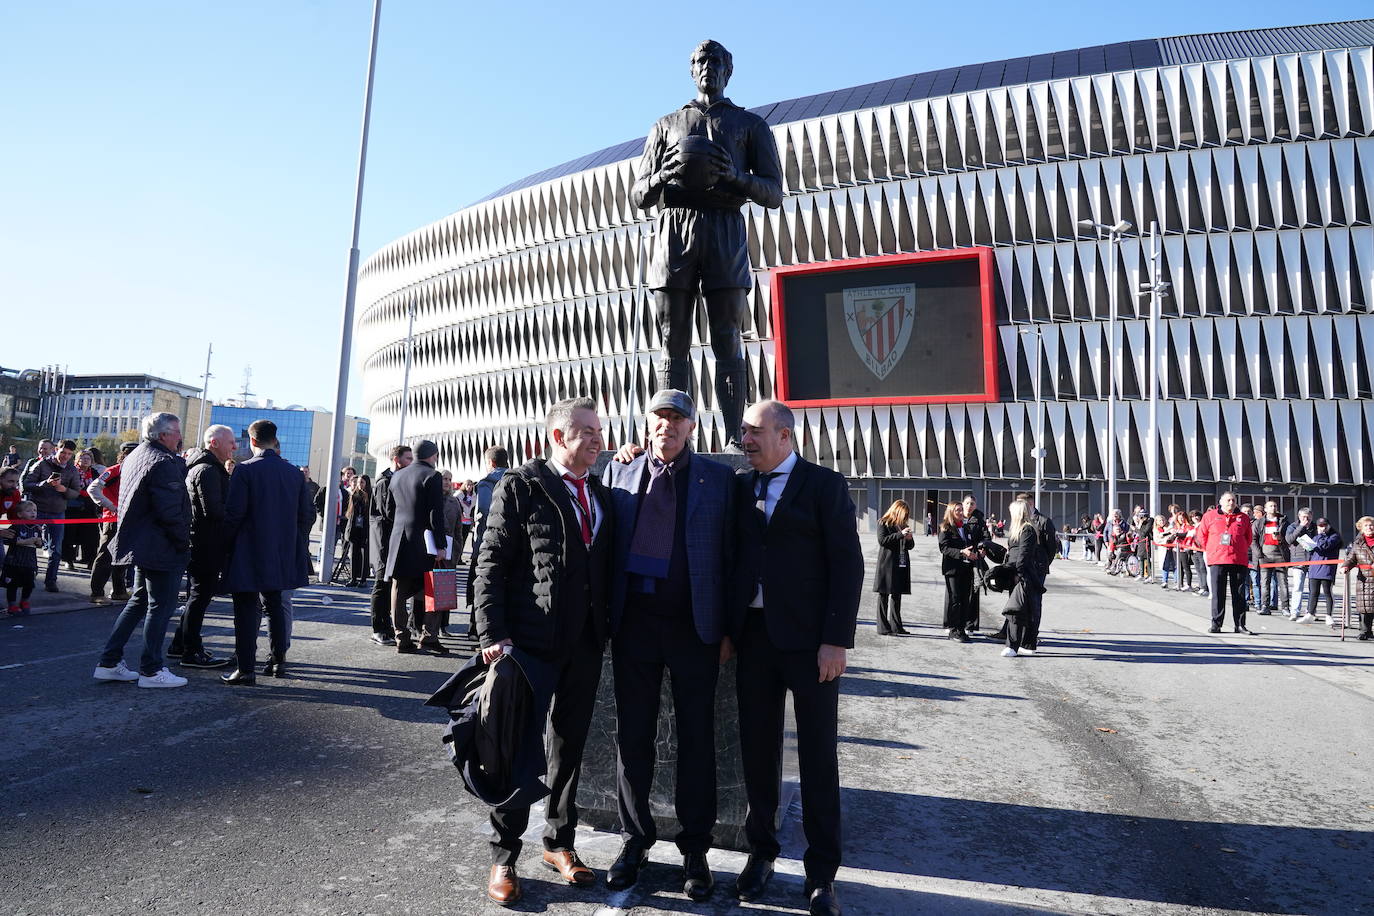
{"x":879,"y":319}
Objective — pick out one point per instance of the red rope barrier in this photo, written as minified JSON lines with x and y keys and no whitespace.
{"x":58,"y":521}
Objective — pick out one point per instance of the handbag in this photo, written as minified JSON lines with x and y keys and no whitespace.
{"x":1016,"y":603}
{"x":441,"y":590}
{"x":1000,"y":578}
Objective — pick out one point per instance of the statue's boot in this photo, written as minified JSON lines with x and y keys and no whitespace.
{"x":731,"y":392}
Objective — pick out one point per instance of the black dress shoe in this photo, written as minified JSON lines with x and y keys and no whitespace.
{"x":239,"y":679}
{"x":275,"y":667}
{"x":406,"y":647}
{"x":697,"y":880}
{"x":1245,"y":631}
{"x":624,"y":871}
{"x":754,"y":878}
{"x":823,"y":900}
{"x":1214,"y":629}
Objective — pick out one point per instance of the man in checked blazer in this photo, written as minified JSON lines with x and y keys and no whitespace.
{"x":674,"y":514}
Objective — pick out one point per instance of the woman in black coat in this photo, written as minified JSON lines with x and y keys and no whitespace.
{"x":1026,"y":555}
{"x":958,"y":557}
{"x":356,"y":529}
{"x":892,"y":578}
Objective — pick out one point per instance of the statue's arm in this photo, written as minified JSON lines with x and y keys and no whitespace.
{"x":762,"y":181}
{"x":650,"y":176}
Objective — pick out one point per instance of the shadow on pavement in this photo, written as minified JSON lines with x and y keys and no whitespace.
{"x":1250,"y":867}
{"x":1199,"y":652}
{"x":869,"y":687}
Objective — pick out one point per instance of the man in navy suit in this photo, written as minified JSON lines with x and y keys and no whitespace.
{"x":267,"y":520}
{"x":800,"y":574}
{"x":674,"y":514}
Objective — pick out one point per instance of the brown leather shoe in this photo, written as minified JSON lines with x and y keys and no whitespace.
{"x":504,"y":885}
{"x":432,"y":644}
{"x":570,"y":867}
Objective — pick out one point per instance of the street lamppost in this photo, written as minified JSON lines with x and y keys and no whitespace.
{"x":1113,"y":235}
{"x":1039,"y":450}
{"x":1156,"y":290}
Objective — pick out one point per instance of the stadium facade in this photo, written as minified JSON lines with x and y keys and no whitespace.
{"x":1252,"y":151}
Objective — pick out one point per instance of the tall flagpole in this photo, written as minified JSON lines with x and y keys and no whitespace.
{"x":331,"y":482}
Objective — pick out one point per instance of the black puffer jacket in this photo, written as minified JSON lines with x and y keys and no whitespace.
{"x":522,"y":559}
{"x":154,"y":510}
{"x":208,"y":484}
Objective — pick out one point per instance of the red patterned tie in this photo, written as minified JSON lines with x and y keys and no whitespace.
{"x":585,"y":513}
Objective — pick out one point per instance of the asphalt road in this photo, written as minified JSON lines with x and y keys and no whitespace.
{"x":1136,"y":765}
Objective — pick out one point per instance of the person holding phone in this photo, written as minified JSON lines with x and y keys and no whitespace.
{"x":50,"y":485}
{"x":892,"y":577}
{"x":959,"y":555}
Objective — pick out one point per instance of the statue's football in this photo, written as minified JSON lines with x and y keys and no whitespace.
{"x":698,"y":170}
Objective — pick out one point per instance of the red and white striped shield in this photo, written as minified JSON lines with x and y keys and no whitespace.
{"x":879,"y":319}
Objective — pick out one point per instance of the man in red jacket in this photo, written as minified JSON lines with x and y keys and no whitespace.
{"x":1225,"y":535}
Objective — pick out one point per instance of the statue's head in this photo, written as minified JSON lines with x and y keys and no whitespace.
{"x":711,"y":66}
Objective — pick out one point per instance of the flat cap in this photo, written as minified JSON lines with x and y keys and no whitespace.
{"x":673,"y":399}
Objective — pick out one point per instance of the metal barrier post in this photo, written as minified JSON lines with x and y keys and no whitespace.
{"x":1345,"y":602}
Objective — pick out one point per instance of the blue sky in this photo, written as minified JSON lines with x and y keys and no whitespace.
{"x":176,"y":173}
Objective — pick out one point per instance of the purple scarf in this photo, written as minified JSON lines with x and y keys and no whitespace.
{"x":651,"y":548}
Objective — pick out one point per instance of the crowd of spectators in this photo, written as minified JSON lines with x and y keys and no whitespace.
{"x":1280,"y":566}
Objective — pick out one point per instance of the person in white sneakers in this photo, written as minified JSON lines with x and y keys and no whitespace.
{"x":154,"y":535}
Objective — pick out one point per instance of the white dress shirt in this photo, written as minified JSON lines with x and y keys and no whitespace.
{"x":775,"y":488}
{"x":596,"y":507}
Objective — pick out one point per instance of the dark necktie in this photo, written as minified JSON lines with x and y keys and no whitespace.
{"x":761,"y":482}
{"x":584,"y":514}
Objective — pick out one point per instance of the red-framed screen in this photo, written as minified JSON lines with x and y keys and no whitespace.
{"x":898,"y":329}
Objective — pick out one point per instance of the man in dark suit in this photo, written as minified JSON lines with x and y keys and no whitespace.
{"x":381,"y":515}
{"x":543,"y":577}
{"x":800,"y":575}
{"x":416,"y":494}
{"x":674,"y":514}
{"x":267,"y":522}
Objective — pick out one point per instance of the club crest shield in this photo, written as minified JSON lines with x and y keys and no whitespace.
{"x":879,"y":319}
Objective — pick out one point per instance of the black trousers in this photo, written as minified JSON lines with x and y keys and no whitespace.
{"x":357,"y":558}
{"x":646,"y":644}
{"x":380,"y":606}
{"x":102,"y":569}
{"x":204,"y":581}
{"x":1023,"y":629}
{"x":958,"y":597}
{"x":1317,"y":587}
{"x":248,"y":621}
{"x":763,"y":678}
{"x":574,"y":700}
{"x":410,"y":590}
{"x":1223,"y":578}
{"x":889,"y":614}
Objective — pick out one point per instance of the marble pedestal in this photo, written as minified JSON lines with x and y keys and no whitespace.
{"x":596,"y":793}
